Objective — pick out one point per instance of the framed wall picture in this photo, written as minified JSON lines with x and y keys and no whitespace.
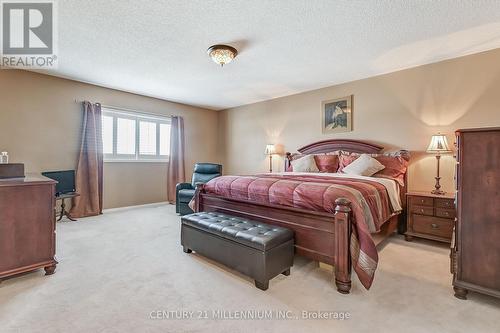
{"x":336,"y":115}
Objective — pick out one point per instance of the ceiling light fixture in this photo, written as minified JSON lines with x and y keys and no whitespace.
{"x":222,"y":54}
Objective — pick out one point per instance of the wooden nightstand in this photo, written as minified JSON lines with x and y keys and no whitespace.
{"x":430,"y":216}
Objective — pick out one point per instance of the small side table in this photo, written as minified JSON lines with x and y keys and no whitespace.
{"x":64,"y":212}
{"x":430,"y":216}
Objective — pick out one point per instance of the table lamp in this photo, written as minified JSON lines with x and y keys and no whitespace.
{"x":270,"y":150}
{"x":438,"y":145}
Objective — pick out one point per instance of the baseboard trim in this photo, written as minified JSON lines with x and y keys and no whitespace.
{"x":150,"y":205}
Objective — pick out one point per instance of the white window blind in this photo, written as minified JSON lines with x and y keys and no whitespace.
{"x":107,"y":134}
{"x":165,"y":139}
{"x":134,"y":136}
{"x":125,"y":136}
{"x":147,"y":138}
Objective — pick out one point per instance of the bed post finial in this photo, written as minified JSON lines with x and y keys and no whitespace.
{"x":342,"y":244}
{"x":197,"y":197}
{"x":342,"y":205}
{"x":288,"y":160}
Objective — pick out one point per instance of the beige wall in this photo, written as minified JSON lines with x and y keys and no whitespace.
{"x":400,"y":110}
{"x":40,"y":122}
{"x":40,"y":126}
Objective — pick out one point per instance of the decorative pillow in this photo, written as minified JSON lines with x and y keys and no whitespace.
{"x":395,"y":163}
{"x":364,"y":165}
{"x":293,"y":157}
{"x":305,"y":164}
{"x":395,"y":168}
{"x":327,"y":163}
{"x":345,"y":160}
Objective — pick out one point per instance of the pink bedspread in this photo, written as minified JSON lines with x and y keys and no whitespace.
{"x":370,"y":205}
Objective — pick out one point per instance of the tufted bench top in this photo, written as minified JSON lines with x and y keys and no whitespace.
{"x":254,"y":234}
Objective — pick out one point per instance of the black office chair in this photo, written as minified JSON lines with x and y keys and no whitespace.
{"x":184,"y":192}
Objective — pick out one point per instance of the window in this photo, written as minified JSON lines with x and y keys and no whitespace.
{"x":133,"y":136}
{"x":125,"y":136}
{"x":147,"y":139}
{"x":165,"y":139}
{"x":107,"y":134}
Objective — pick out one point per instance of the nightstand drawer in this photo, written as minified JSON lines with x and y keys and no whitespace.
{"x":422,"y":210}
{"x":434,"y":226}
{"x":445,"y":203}
{"x":446,"y":213}
{"x":421,"y":201}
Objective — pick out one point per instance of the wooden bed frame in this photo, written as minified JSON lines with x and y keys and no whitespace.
{"x":320,"y":236}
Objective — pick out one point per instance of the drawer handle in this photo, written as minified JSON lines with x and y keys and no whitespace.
{"x":422,"y":200}
{"x":446,"y":214}
{"x":434,"y":226}
{"x":422,"y":210}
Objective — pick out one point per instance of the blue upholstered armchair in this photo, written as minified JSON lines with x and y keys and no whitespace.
{"x":203,"y":172}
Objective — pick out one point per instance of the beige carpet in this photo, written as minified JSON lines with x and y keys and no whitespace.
{"x":117,"y":269}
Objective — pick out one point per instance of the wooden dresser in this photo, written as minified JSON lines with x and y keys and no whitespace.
{"x":27,"y":225}
{"x":430,"y":216}
{"x":475,"y":255}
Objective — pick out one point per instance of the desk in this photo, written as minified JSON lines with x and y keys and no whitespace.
{"x":63,"y":212}
{"x":27,"y":225}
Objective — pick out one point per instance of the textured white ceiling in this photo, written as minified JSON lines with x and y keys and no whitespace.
{"x":158,"y":48}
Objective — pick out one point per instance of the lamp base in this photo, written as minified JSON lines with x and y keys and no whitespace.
{"x":437,"y":188}
{"x":438,"y":192}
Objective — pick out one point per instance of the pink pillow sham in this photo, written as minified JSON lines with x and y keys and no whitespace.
{"x":328,"y":163}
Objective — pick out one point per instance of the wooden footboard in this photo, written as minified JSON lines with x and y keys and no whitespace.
{"x":320,"y":236}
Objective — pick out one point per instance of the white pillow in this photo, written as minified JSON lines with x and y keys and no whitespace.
{"x":364,"y":165}
{"x":305,"y":164}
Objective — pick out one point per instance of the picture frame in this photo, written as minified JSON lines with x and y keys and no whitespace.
{"x":336,"y":115}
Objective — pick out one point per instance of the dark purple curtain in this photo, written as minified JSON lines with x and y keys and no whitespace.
{"x":89,"y":172}
{"x":176,"y":168}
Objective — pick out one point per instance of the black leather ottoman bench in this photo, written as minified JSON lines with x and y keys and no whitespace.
{"x":255,"y":249}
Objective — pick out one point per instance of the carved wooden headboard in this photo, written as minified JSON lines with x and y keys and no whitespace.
{"x":329,"y":146}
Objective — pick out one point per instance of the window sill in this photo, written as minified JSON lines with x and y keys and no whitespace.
{"x":136,"y":161}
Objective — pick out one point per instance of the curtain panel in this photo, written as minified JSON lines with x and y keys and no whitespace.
{"x":89,"y":172}
{"x":176,"y":165}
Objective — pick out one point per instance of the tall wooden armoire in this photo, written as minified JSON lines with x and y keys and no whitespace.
{"x":476,"y":249}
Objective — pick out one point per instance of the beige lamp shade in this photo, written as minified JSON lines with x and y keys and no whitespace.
{"x":438,"y":144}
{"x":270,"y":149}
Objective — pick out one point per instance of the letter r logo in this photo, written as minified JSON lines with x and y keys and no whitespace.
{"x":27,"y":28}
